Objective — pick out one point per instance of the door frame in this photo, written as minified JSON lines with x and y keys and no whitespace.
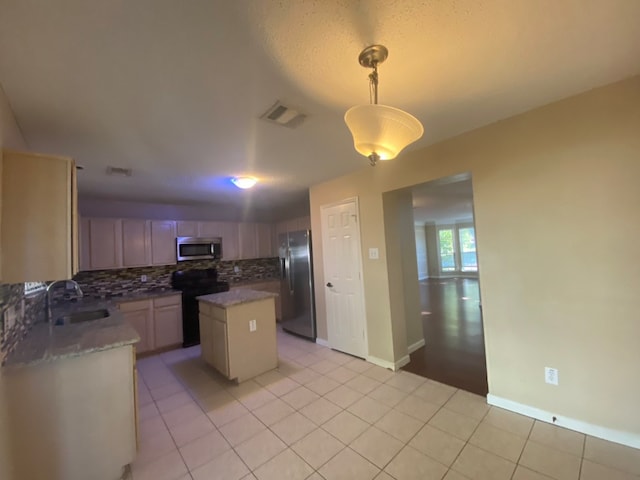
{"x":363,"y":306}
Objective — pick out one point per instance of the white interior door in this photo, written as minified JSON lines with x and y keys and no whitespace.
{"x":346,"y":323}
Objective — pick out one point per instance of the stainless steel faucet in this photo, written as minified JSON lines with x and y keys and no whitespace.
{"x":48,"y":295}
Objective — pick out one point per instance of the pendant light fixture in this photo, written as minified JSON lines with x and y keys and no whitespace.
{"x":380,"y":132}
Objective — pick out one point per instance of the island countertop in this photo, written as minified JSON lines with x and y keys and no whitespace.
{"x":46,"y":343}
{"x":235,"y":297}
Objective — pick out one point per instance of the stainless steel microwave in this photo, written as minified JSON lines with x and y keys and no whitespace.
{"x":196,"y":248}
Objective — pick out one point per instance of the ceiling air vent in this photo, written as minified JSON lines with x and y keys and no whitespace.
{"x":284,"y":116}
{"x":119,"y":171}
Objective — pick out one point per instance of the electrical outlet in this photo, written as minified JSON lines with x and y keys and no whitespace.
{"x":236,"y":269}
{"x":551,"y":375}
{"x":374,"y":254}
{"x":252,"y":326}
{"x":143,"y":278}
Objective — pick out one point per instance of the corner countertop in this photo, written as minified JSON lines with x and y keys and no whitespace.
{"x":235,"y":297}
{"x":47,"y":343}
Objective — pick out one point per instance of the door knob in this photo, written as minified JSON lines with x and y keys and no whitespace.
{"x":329,"y":285}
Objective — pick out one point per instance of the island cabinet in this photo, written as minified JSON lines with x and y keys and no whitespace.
{"x":238,"y":333}
{"x":39,"y":231}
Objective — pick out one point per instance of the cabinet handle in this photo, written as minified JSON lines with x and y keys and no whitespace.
{"x":329,"y":285}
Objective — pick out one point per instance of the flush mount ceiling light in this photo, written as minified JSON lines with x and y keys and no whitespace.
{"x":244,"y":182}
{"x":380,"y":132}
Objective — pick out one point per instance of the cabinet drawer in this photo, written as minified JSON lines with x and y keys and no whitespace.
{"x":212,"y":311}
{"x":167,"y":301}
{"x":134,"y":306}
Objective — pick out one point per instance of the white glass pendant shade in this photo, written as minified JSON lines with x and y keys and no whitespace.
{"x":382,"y":130}
{"x":244,"y":182}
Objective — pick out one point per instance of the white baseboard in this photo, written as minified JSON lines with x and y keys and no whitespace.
{"x":387,"y":364}
{"x":618,"y":436}
{"x":323,"y":342}
{"x":415,"y":346}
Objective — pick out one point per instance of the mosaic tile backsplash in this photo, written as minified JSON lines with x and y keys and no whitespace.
{"x":118,"y":282}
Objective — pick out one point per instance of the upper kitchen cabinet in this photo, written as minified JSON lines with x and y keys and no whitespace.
{"x":187,"y":228}
{"x":247,"y":240}
{"x":39,"y":238}
{"x":230,"y":241}
{"x":264,"y":240}
{"x":163,"y":242}
{"x":210,"y":229}
{"x":104,"y":243}
{"x":135,"y":243}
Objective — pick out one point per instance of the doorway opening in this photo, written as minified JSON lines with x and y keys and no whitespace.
{"x":451,"y":311}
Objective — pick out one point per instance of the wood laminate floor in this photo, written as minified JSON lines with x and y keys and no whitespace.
{"x":452,"y":321}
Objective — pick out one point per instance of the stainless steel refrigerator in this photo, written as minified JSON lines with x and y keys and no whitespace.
{"x":298,"y":306}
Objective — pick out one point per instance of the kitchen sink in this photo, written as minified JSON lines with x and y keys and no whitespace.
{"x":83,"y":316}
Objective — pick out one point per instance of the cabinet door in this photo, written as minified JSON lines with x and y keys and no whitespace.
{"x":39,"y":215}
{"x":167,"y":324}
{"x":135,"y":243}
{"x":140,"y":320}
{"x":209,"y":229}
{"x":163,"y":242}
{"x":187,"y":229}
{"x":220,"y":350}
{"x":230,"y":247}
{"x":85,"y":245}
{"x":247,"y":240}
{"x":206,"y":338}
{"x":264,"y":239}
{"x":105,"y":243}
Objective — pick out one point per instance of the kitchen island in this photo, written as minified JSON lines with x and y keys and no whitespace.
{"x":238,"y":332}
{"x":70,"y":393}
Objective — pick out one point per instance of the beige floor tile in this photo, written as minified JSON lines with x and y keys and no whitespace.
{"x":613,"y":455}
{"x":434,"y":392}
{"x":182,"y":414}
{"x":348,"y":465}
{"x":478,"y":464}
{"x":341,"y":374}
{"x":345,"y":427}
{"x":417,"y":407}
{"x":551,"y":462}
{"x":595,"y":471}
{"x":204,"y":449}
{"x":322,"y":385}
{"x":257,"y":399}
{"x":293,"y":427}
{"x":144,"y":397}
{"x":406,"y":381}
{"x":557,"y":437}
{"x":285,"y":466}
{"x":437,"y":444}
{"x":495,"y":440}
{"x":363,"y":384}
{"x":260,"y":448}
{"x":315,"y":476}
{"x":148,"y":411}
{"x":154,"y":447}
{"x":509,"y":421}
{"x":273,"y":412}
{"x":454,"y":423}
{"x":468,"y":404}
{"x":321,"y":410}
{"x":215,"y":400}
{"x":241,"y":429}
{"x":388,"y":395}
{"x":335,"y":356}
{"x":183,"y":433}
{"x":523,"y":473}
{"x":151,"y":426}
{"x":227,"y":412}
{"x":272,"y":376}
{"x":368,"y":409}
{"x":399,"y":425}
{"x":453,"y":475}
{"x":227,"y":466}
{"x":378,"y":373}
{"x":300,"y":397}
{"x":173,"y":401}
{"x":324,"y":366}
{"x":309,"y":359}
{"x":166,"y":390}
{"x":167,"y":467}
{"x":317,"y":448}
{"x":358,"y":365}
{"x":343,"y":396}
{"x":304,"y":376}
{"x":383,"y":476}
{"x":377,"y":446}
{"x":282,"y":387}
{"x":410,"y":464}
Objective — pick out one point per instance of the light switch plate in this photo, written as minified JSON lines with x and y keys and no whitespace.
{"x":252,"y":326}
{"x":373,"y":254}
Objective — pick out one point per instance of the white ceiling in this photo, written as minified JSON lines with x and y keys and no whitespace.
{"x":443,"y":202}
{"x":175,"y":89}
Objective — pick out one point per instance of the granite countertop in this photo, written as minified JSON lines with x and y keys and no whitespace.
{"x":235,"y":297}
{"x":46,"y":343}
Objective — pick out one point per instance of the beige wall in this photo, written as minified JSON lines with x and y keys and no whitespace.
{"x":557,"y":213}
{"x":433,"y":260}
{"x":10,"y":137}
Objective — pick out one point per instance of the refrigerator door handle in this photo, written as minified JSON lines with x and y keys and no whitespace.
{"x":289,"y":271}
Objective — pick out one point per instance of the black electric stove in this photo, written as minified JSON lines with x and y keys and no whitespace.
{"x":192,"y":284}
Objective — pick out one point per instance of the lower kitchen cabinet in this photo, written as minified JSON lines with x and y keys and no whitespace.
{"x":158,"y":321}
